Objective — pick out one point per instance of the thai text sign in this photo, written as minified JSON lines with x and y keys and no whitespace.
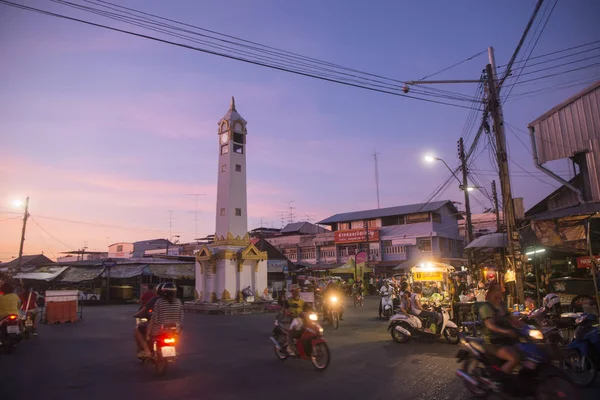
{"x":414,"y":218}
{"x":428,"y":276}
{"x":356,"y":235}
{"x":585,"y":262}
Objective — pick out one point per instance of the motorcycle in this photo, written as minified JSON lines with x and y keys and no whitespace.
{"x":387,"y":304}
{"x":333,"y":311}
{"x":10,"y":333}
{"x":359,"y":299}
{"x":310,"y":345}
{"x":551,"y":328}
{"x":537,"y":376}
{"x":403,"y":327}
{"x":583,"y":355}
{"x":163,"y":347}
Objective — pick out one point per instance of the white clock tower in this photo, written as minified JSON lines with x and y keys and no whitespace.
{"x":232,"y":262}
{"x":232,"y":204}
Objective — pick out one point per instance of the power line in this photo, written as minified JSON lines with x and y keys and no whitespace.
{"x":565,"y":85}
{"x":237,"y":58}
{"x":558,"y":73}
{"x":560,"y":58}
{"x":530,"y":53}
{"x":49,"y":234}
{"x":454,"y":65}
{"x":558,"y":51}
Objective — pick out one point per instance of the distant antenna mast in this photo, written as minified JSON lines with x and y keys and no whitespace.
{"x":290,"y":211}
{"x":376,"y":175}
{"x":195,"y":212}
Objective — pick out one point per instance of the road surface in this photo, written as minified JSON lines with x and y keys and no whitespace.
{"x":227,"y":357}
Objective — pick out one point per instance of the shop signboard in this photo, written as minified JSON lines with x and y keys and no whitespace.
{"x":585,"y":262}
{"x":422,"y":276}
{"x":415,"y":218}
{"x":356,"y":235}
{"x":276,"y":265}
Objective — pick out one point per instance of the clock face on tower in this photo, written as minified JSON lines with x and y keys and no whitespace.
{"x":224,"y":138}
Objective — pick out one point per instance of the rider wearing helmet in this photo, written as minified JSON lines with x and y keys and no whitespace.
{"x":295,"y":306}
{"x":552,"y":305}
{"x":168,"y":310}
{"x":333,"y":289}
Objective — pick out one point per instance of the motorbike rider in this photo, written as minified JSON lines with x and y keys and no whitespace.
{"x":333,"y":289}
{"x":295,"y":306}
{"x":386,"y":290}
{"x":9,"y":301}
{"x":139,"y":333}
{"x":405,"y":302}
{"x":417,"y":308}
{"x":358,"y":286}
{"x":168,"y":309}
{"x":498,"y":335}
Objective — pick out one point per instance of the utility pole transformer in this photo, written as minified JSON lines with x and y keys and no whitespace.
{"x":25,"y":216}
{"x":495,"y":107}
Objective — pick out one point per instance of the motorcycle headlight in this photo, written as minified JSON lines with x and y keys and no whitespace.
{"x":313,"y":317}
{"x":320,"y":331}
{"x":536,"y":334}
{"x":334,"y":299}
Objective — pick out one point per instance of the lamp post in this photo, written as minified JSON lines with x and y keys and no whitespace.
{"x":463,"y":185}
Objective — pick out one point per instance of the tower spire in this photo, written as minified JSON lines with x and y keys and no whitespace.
{"x":232,"y":107}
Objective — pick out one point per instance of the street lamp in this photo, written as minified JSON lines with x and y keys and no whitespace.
{"x":431,"y":159}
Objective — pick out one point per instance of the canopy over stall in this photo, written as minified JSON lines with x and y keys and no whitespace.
{"x":126,"y":271}
{"x":82,"y":274}
{"x":42,"y":273}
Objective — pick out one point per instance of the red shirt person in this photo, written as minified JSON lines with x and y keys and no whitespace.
{"x":148,"y":295}
{"x":28,"y":300}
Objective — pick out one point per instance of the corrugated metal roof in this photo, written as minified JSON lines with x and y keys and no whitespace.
{"x":82,"y":274}
{"x":582,"y":209}
{"x":303,"y":227}
{"x":42,"y":274}
{"x":125,"y":271}
{"x":568,"y":128}
{"x":174,"y":271}
{"x":388,"y":212}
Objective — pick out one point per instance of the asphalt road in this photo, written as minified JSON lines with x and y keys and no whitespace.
{"x":227,"y":357}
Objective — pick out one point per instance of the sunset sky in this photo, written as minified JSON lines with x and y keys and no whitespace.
{"x":108,"y":132}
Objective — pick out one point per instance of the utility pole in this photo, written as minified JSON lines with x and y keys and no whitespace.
{"x":495,"y":107}
{"x":496,"y":210}
{"x":376,"y":176}
{"x":25,"y":216}
{"x":465,"y":188}
{"x":196,"y":211}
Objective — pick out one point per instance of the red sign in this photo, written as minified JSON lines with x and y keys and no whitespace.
{"x":585,"y":262}
{"x":356,"y":235}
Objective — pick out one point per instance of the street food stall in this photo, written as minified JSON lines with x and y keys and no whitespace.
{"x":433,"y":278}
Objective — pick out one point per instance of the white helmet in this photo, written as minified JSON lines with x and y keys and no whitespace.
{"x":551,"y":300}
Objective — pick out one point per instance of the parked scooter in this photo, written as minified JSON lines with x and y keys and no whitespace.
{"x":403,"y":327}
{"x":387,"y":304}
{"x":582,"y":360}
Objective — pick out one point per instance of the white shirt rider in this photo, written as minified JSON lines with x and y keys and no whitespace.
{"x":386,"y":290}
{"x":414,"y":298}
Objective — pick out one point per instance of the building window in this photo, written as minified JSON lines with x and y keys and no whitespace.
{"x":389,"y":248}
{"x":224,"y":149}
{"x":238,"y":168}
{"x":120,"y":248}
{"x":224,"y":168}
{"x":436,"y":217}
{"x":425,"y":244}
{"x":372,"y":223}
{"x":238,"y":212}
{"x":238,"y":148}
{"x":222,"y":212}
{"x":343,"y":226}
{"x":238,"y":138}
{"x":393,"y":220}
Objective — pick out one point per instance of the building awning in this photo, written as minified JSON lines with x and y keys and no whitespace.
{"x":42,"y":274}
{"x":174,"y":271}
{"x":125,"y":271}
{"x":318,"y":267}
{"x":493,"y":240}
{"x":82,"y":274}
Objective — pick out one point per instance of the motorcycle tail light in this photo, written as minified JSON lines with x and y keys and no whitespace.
{"x":12,"y":317}
{"x":169,"y":340}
